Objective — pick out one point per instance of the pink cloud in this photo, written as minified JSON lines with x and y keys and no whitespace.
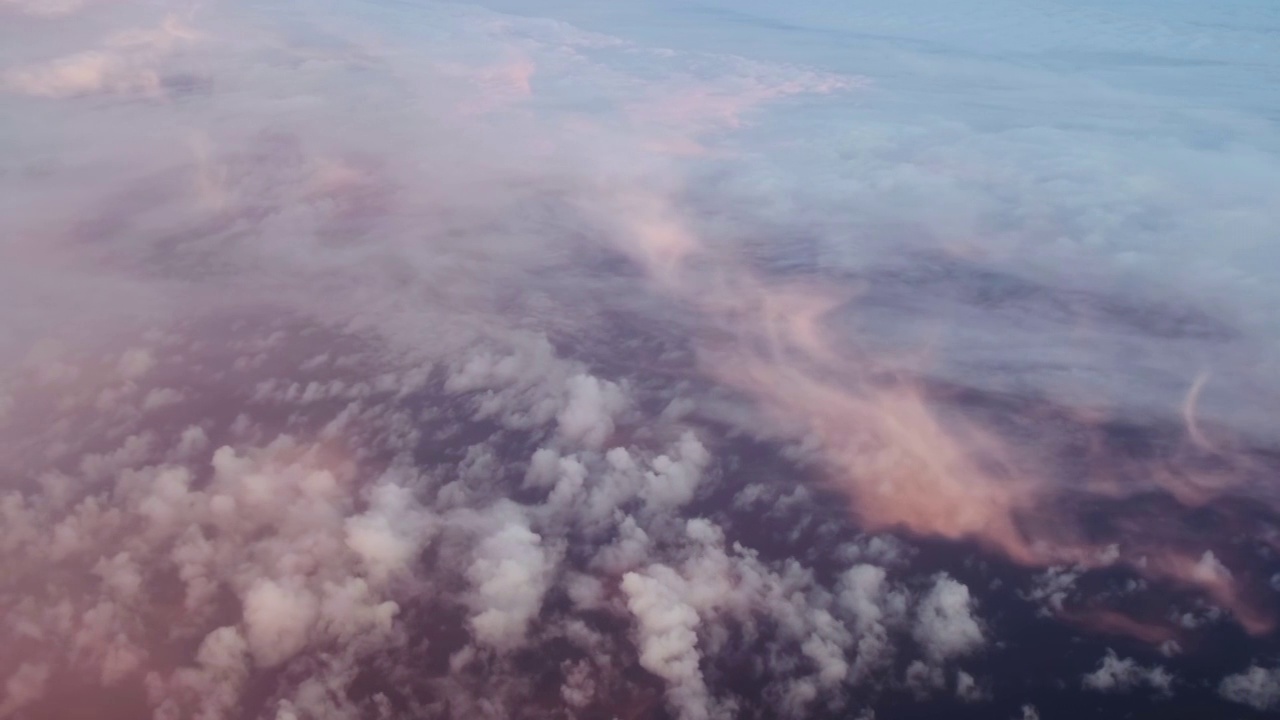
{"x":495,"y":86}
{"x":128,"y":63}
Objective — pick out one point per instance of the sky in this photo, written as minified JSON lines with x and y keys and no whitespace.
{"x":671,"y":359}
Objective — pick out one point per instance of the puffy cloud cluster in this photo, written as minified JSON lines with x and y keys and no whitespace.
{"x":265,"y":553}
{"x":530,"y":388}
{"x":1116,"y":674}
{"x":510,"y":574}
{"x":668,"y":640}
{"x":1053,"y":588}
{"x":945,"y":624}
{"x":876,"y":607}
{"x":308,"y":560}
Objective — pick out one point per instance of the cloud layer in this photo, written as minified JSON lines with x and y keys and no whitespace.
{"x":427,"y":360}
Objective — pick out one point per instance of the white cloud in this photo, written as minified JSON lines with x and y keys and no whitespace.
{"x":1115,"y":674}
{"x":587,"y":417}
{"x":1256,"y":687}
{"x":267,"y":525}
{"x":157,"y":398}
{"x":26,"y":685}
{"x":968,"y":689}
{"x":944,"y":623}
{"x":135,"y":363}
{"x":1053,"y":587}
{"x":675,"y":477}
{"x":876,"y":609}
{"x":510,"y":574}
{"x":924,"y":679}
{"x":666,"y":629}
{"x":214,"y":684}
{"x":1210,"y":570}
{"x":121,"y":575}
{"x":389,"y":534}
{"x":278,"y":620}
{"x":193,"y":440}
{"x":578,"y":689}
{"x":127,"y":63}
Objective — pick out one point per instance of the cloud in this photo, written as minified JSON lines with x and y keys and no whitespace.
{"x":214,"y":684}
{"x":944,"y":624}
{"x":968,"y":689}
{"x":128,"y":64}
{"x":424,"y":342}
{"x":923,"y":679}
{"x":26,"y":685}
{"x":876,"y":609}
{"x":510,"y":574}
{"x":278,"y":620}
{"x":388,"y":535}
{"x":587,"y":417}
{"x":135,"y":363}
{"x":44,"y":8}
{"x":668,"y":640}
{"x":1256,"y":687}
{"x":1210,"y":570}
{"x":1115,"y":674}
{"x":1054,"y":587}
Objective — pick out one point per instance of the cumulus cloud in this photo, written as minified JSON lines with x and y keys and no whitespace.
{"x":1210,"y":570}
{"x":1256,"y":687}
{"x":510,"y":574}
{"x":668,"y":640}
{"x":968,"y":689}
{"x":945,"y":625}
{"x":278,"y":620}
{"x":1054,"y":587}
{"x":876,"y":608}
{"x":1116,"y":674}
{"x":25,"y":685}
{"x":587,"y":417}
{"x":265,"y":528}
{"x":923,"y":679}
